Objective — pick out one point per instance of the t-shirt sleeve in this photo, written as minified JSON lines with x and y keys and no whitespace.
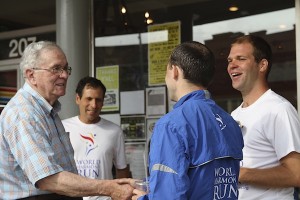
{"x":286,"y":127}
{"x":119,"y":154}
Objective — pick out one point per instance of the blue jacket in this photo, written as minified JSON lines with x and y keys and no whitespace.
{"x":195,"y":152}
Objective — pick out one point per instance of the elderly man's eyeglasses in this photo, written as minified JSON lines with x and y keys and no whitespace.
{"x":56,"y":70}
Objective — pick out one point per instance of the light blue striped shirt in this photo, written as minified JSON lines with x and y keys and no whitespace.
{"x":33,"y":144}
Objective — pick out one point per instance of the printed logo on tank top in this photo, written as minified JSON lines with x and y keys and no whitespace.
{"x":90,"y":143}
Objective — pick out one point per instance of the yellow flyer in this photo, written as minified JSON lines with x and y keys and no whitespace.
{"x":159,"y":52}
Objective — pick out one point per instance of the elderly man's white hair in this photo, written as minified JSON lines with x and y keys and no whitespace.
{"x":30,"y":58}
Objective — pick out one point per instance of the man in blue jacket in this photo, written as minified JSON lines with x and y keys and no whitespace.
{"x":196,"y":148}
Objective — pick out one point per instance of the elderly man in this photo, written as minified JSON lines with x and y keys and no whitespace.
{"x":36,"y":154}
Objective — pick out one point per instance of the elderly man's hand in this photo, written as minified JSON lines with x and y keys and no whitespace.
{"x":121,"y":190}
{"x":129,"y":181}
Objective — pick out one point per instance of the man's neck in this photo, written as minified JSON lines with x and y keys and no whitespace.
{"x":87,"y":121}
{"x":252,"y":96}
{"x":188,"y":88}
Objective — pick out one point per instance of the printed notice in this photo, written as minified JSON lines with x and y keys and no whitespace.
{"x":136,"y":160}
{"x":109,"y":75}
{"x":133,"y":127}
{"x":159,"y":52}
{"x":156,"y":101}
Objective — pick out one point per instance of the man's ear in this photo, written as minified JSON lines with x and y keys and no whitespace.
{"x":30,"y":76}
{"x":175,"y":71}
{"x":178,"y":72}
{"x":264,"y":64}
{"x":77,"y":99}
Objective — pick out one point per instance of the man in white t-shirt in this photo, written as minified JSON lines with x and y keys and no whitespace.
{"x":98,"y":143}
{"x":270,"y":125}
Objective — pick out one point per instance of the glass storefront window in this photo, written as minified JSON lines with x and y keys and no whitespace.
{"x":122,"y":40}
{"x":119,"y":38}
{"x":277,"y":30}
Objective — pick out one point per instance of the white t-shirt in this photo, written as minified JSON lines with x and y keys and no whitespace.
{"x":96,"y":148}
{"x":271,"y":130}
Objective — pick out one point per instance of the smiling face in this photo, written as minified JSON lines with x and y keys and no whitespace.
{"x":51,"y":86}
{"x":242,"y":68}
{"x":90,"y":104}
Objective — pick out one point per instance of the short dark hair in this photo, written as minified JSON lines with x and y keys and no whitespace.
{"x":90,"y":82}
{"x":261,"y":49}
{"x":196,"y":60}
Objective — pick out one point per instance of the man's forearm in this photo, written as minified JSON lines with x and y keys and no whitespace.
{"x":271,"y":177}
{"x":70,"y":184}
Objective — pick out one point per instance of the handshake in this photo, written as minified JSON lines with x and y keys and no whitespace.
{"x":138,"y":188}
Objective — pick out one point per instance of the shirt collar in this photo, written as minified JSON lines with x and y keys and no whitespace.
{"x":42,"y":101}
{"x":199,"y":94}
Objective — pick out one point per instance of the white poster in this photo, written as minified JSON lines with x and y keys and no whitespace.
{"x":155,"y":101}
{"x":133,"y":102}
{"x":135,"y":155}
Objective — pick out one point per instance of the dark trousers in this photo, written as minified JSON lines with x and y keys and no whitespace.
{"x":51,"y":197}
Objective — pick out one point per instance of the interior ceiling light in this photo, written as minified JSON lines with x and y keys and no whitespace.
{"x":149,"y":21}
{"x":123,"y":10}
{"x":233,"y":8}
{"x":147,"y":14}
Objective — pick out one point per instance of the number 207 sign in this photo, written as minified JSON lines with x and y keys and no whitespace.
{"x":14,"y":47}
